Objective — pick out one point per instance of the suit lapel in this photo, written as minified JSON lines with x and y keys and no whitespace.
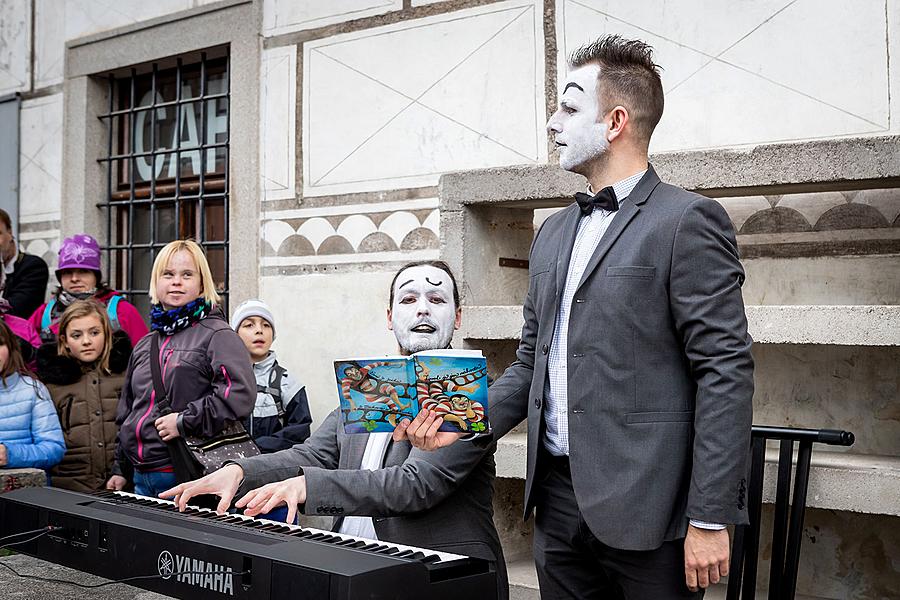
{"x":356,"y":448}
{"x":623,"y":217}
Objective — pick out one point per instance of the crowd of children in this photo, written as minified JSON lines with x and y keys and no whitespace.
{"x":78,"y":394}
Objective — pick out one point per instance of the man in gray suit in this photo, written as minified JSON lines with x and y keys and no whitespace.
{"x":373,"y":486}
{"x":634,"y":366}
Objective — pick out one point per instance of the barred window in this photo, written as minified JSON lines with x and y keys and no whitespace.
{"x":167,"y":167}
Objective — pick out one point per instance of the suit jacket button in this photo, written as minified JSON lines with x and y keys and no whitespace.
{"x":340,"y":511}
{"x":544,"y":349}
{"x":537,"y":403}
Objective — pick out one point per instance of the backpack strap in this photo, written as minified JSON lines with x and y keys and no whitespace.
{"x":274,"y":388}
{"x":47,"y":318}
{"x":112,"y":311}
{"x":275,"y":378}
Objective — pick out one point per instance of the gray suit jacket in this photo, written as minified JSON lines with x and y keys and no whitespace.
{"x":438,"y":500}
{"x":659,"y":367}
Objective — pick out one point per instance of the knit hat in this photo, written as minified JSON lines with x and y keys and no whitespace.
{"x":80,"y":251}
{"x":252,"y":308}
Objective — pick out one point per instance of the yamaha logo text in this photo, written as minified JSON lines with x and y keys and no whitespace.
{"x":196,"y":572}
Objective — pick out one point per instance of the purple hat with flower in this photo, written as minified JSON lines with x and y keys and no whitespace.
{"x":80,"y":251}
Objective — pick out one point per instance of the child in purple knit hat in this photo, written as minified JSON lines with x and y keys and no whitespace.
{"x":80,"y":278}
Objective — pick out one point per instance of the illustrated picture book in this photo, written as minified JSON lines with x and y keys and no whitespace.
{"x":377,"y":393}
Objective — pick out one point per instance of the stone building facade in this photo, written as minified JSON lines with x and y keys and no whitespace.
{"x":305,"y":141}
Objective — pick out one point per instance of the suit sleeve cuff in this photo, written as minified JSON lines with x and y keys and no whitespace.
{"x":707,"y":525}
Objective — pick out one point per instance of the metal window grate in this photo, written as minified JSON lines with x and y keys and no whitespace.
{"x":166,"y":164}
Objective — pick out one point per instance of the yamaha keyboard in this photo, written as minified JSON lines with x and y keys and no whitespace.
{"x":199,"y":554}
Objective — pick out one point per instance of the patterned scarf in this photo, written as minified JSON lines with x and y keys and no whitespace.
{"x":67,"y":298}
{"x":175,"y":319}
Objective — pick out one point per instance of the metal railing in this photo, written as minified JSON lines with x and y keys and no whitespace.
{"x":187,"y":201}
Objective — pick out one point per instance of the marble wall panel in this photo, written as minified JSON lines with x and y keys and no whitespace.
{"x":58,"y":21}
{"x":278,"y":107}
{"x":324,"y":318}
{"x":395,"y":106}
{"x":15,"y":46}
{"x":752,"y":72}
{"x":40,"y":158}
{"x":286,"y":16}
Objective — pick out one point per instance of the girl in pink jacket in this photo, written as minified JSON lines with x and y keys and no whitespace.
{"x":80,"y":278}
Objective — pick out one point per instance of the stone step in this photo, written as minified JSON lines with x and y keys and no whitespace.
{"x":836,"y":479}
{"x":851,"y":325}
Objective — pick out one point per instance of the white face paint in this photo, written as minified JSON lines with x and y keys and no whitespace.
{"x":576,"y":126}
{"x":423,"y":314}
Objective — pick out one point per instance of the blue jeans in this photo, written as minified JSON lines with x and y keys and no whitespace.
{"x":153,"y":483}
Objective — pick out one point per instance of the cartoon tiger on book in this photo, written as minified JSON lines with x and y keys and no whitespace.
{"x":443,"y":396}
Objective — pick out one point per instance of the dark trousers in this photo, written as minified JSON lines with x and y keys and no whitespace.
{"x":573,"y":564}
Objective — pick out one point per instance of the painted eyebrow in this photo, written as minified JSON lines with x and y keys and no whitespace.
{"x":402,"y":285}
{"x":574,"y":85}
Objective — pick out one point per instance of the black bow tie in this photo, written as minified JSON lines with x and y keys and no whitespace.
{"x":605,"y":199}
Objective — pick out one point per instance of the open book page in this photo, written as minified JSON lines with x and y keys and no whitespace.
{"x":375,"y":393}
{"x":453,"y":383}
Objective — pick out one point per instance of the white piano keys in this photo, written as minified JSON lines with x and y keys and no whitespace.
{"x":443,"y":557}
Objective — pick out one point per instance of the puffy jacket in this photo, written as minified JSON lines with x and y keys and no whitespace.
{"x":271,"y":432}
{"x":130,"y":320}
{"x":86,"y":403}
{"x":28,"y":425}
{"x":208,"y":380}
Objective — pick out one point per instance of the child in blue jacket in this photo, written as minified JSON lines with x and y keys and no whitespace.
{"x":30,"y":435}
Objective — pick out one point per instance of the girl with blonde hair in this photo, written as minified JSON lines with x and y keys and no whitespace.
{"x":203,"y":365}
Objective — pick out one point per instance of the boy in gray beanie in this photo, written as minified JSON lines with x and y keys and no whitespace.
{"x":281,"y":416}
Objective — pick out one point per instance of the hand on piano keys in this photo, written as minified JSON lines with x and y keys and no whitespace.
{"x":264,"y":499}
{"x":223,"y":483}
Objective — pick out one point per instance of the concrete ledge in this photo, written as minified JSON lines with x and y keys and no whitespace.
{"x":512,"y":455}
{"x":820,"y":165}
{"x":830,"y":325}
{"x":845,"y":481}
{"x":523,"y":581}
{"x":13,"y":479}
{"x":827,"y":325}
{"x":837,"y":480}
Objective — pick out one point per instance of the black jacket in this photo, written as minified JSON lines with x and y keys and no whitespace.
{"x":26,"y":286}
